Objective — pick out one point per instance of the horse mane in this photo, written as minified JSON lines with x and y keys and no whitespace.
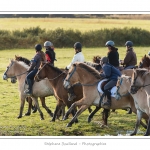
{"x":55,"y":68}
{"x":23,"y":59}
{"x":141,"y":72}
{"x":91,"y":64}
{"x":22,"y":64}
{"x":89,"y":69}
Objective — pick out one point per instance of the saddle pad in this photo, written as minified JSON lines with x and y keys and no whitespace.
{"x":113,"y":90}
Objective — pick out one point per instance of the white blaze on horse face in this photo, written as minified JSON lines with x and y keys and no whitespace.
{"x":66,"y":84}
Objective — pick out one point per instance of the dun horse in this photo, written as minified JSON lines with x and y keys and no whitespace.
{"x":140,"y":99}
{"x":89,"y":78}
{"x":145,"y":62}
{"x":40,"y":89}
{"x":141,"y":83}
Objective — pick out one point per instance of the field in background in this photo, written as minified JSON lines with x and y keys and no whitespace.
{"x":119,"y":122}
{"x":70,"y":23}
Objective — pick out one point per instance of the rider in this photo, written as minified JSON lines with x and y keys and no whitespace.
{"x":33,"y":69}
{"x":111,"y":73}
{"x":130,"y":59}
{"x":78,"y":57}
{"x":50,"y":54}
{"x":112,"y":54}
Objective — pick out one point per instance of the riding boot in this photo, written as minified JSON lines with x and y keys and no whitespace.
{"x":71,"y":94}
{"x":28,"y":92}
{"x":108,"y":95}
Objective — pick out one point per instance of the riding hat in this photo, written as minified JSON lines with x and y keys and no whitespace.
{"x":77,"y":45}
{"x":38,"y":47}
{"x":129,"y":44}
{"x":48,"y":43}
{"x":110,"y":43}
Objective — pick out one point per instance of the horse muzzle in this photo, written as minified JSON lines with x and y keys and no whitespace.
{"x":5,"y":77}
{"x":133,"y":90}
{"x":66,"y":84}
{"x":13,"y":80}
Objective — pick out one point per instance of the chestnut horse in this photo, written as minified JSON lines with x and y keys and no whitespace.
{"x":40,"y":89}
{"x":140,"y":99}
{"x":145,"y":62}
{"x":89,"y":78}
{"x":141,"y":83}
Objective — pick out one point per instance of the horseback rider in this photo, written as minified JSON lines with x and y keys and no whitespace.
{"x":112,"y":54}
{"x":130,"y":59}
{"x":111,"y":73}
{"x":50,"y":54}
{"x":33,"y":69}
{"x":78,"y":57}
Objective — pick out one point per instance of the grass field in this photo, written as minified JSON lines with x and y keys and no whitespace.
{"x":119,"y":122}
{"x":70,"y":23}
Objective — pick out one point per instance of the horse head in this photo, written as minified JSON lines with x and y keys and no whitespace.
{"x":145,"y":62}
{"x":96,"y":59}
{"x":137,"y":80}
{"x":71,"y":77}
{"x":122,"y":89}
{"x":41,"y":74}
{"x":9,"y":73}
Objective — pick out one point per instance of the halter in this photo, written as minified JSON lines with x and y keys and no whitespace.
{"x":118,"y":87}
{"x":15,"y":75}
{"x":37,"y":75}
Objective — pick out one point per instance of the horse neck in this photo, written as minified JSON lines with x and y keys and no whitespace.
{"x":19,"y":69}
{"x":84,"y":75}
{"x":126,"y":84}
{"x":146,"y":81}
{"x":51,"y":74}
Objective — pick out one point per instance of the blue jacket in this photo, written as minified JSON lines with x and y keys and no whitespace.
{"x":110,"y":72}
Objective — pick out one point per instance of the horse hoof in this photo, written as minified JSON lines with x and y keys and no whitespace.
{"x":69,"y":125}
{"x":76,"y":121}
{"x":42,"y":119}
{"x":19,"y":117}
{"x":65,"y":118}
{"x":53,"y":120}
{"x":34,"y":111}
{"x":132,"y":134}
{"x":27,"y":114}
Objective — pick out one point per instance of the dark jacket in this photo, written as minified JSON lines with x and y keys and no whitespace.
{"x":113,"y":57}
{"x":110,"y":72}
{"x":50,"y":55}
{"x":130,"y":58}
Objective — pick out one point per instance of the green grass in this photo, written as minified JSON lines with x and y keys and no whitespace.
{"x":33,"y":126}
{"x":80,"y":24}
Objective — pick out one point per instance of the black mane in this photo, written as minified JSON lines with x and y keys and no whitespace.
{"x":25,"y":60}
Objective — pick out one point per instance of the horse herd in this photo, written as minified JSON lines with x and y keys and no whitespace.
{"x":132,"y":89}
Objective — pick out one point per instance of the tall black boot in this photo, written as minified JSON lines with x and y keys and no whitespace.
{"x":71,"y":94}
{"x":29,"y":90}
{"x":108,"y":95}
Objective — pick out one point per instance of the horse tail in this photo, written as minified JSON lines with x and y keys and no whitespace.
{"x":43,"y":56}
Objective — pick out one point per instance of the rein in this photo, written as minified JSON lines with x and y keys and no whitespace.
{"x":48,"y":78}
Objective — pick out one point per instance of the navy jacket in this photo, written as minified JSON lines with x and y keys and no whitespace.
{"x":110,"y":72}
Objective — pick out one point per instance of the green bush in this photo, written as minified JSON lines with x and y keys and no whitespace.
{"x":27,"y":38}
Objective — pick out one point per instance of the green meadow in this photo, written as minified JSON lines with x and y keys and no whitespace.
{"x":118,"y":122}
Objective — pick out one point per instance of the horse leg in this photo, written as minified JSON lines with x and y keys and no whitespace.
{"x":93,"y":113}
{"x":148,"y":128}
{"x":105,"y":116}
{"x":57,"y":109}
{"x":89,"y":109}
{"x":22,"y":99}
{"x":29,"y":100}
{"x":82,"y":108}
{"x":44,"y":106}
{"x":38,"y":108}
{"x":139,"y":117}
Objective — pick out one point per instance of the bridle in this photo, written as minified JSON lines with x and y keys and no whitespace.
{"x":5,"y":73}
{"x":37,"y":75}
{"x":118,"y":87}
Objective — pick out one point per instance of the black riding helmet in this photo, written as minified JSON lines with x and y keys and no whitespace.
{"x":38,"y":47}
{"x":77,"y":45}
{"x":129,"y":43}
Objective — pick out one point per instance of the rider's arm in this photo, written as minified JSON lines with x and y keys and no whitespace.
{"x":75,"y":59}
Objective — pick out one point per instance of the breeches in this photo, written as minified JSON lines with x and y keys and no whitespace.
{"x":110,"y":84}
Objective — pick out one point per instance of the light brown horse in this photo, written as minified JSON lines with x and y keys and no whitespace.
{"x":40,"y":89}
{"x":141,"y":83}
{"x":89,"y":77}
{"x":140,"y":99}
